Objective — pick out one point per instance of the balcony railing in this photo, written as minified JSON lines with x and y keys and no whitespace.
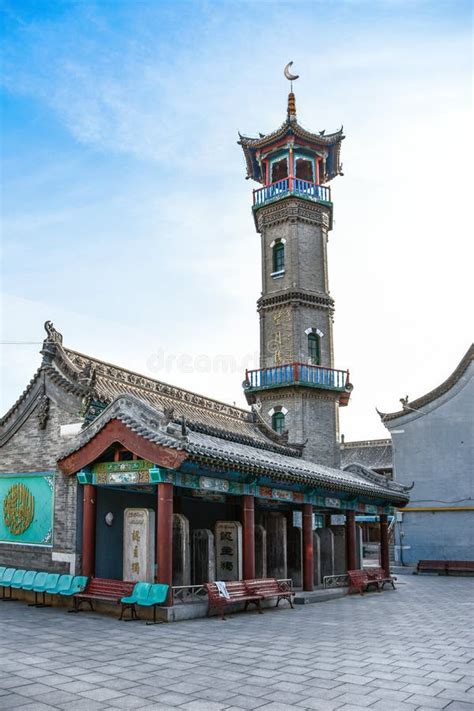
{"x":297,"y":374}
{"x":291,"y":186}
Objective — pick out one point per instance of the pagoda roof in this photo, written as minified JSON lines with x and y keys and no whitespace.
{"x":290,"y":128}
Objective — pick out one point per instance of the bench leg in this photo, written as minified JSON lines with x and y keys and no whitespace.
{"x":287,"y":598}
{"x":259,"y":607}
{"x":155,"y":621}
{"x":75,"y":607}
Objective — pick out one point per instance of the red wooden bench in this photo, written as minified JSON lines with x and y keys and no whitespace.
{"x":359,"y":581}
{"x":268,"y":588}
{"x":238,"y":592}
{"x":435,"y":566}
{"x":444,"y":567}
{"x":459,"y":566}
{"x":103,"y":590}
{"x":378,"y":575}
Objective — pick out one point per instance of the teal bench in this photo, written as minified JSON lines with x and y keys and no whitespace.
{"x":41,"y":583}
{"x":144,"y":595}
{"x":5,"y":582}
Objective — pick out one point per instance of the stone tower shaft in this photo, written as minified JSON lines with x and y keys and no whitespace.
{"x":296,"y":389}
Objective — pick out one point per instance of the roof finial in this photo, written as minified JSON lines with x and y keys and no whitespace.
{"x":291,"y":97}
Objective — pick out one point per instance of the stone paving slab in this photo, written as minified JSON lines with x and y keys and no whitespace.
{"x":406,"y":650}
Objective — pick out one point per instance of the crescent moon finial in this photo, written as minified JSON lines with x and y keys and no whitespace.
{"x":288,"y":74}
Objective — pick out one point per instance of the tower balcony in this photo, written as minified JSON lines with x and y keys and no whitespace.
{"x":291,"y":186}
{"x":301,"y":374}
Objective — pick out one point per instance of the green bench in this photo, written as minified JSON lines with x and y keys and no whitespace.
{"x":39,"y":582}
{"x":144,"y":595}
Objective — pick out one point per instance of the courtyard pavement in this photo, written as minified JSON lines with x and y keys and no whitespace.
{"x":412,"y":648}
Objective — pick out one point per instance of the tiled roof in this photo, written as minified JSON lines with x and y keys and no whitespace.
{"x":290,"y":127}
{"x":374,"y":453}
{"x":424,"y":400}
{"x":153,"y":426}
{"x":95,"y":384}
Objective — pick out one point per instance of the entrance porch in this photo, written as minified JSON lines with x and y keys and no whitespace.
{"x":220,"y":509}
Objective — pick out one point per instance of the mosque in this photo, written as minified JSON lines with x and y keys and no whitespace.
{"x":107,"y":472}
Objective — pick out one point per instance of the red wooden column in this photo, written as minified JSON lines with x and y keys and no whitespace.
{"x":384,"y":548}
{"x":248,"y":525}
{"x":88,"y":530}
{"x":308,"y":556}
{"x":164,"y":537}
{"x":351,"y":540}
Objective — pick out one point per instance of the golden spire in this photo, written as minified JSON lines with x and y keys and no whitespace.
{"x":291,"y":106}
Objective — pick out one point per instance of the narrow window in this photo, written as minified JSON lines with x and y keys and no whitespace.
{"x":313,"y":348}
{"x":278,"y":257}
{"x":304,"y":169}
{"x":279,"y":170}
{"x":278,"y":422}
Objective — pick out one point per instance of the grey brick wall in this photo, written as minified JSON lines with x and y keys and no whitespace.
{"x":32,"y":449}
{"x":313,"y":415}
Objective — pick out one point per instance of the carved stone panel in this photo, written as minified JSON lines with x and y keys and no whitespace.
{"x":228,"y":539}
{"x":203,"y":557}
{"x":181,"y":551}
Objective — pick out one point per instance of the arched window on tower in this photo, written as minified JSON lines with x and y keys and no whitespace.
{"x":278,"y":257}
{"x":304,"y":169}
{"x":278,"y":422}
{"x":279,"y":170}
{"x":314,"y":351}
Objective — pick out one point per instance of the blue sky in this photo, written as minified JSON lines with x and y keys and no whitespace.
{"x":126,"y":217}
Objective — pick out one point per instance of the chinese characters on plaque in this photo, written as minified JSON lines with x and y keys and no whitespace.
{"x":228,"y":540}
{"x":139,"y":545}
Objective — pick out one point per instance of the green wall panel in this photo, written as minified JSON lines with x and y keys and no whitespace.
{"x":26,"y":508}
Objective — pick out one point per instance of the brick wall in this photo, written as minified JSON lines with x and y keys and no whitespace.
{"x":33,"y":449}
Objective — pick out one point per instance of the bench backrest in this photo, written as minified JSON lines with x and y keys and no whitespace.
{"x":8,"y":575}
{"x":79,"y":583}
{"x":52,"y":580}
{"x":141,"y":592}
{"x":158,"y":593}
{"x":18,"y":576}
{"x":461,"y":564}
{"x":235,"y":588}
{"x":40,"y":581}
{"x":432,"y":564}
{"x":2,"y":570}
{"x":265,"y":586}
{"x":64,"y":583}
{"x":29,"y":578}
{"x":375,"y":572}
{"x":358,"y":576}
{"x":105,"y":587}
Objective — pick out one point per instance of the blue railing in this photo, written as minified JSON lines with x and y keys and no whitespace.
{"x":269,"y":192}
{"x":291,"y":186}
{"x":297,"y":373}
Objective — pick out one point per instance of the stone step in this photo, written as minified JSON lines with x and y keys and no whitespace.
{"x":305,"y":598}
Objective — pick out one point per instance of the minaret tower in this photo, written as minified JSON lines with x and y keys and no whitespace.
{"x":296,"y":390}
